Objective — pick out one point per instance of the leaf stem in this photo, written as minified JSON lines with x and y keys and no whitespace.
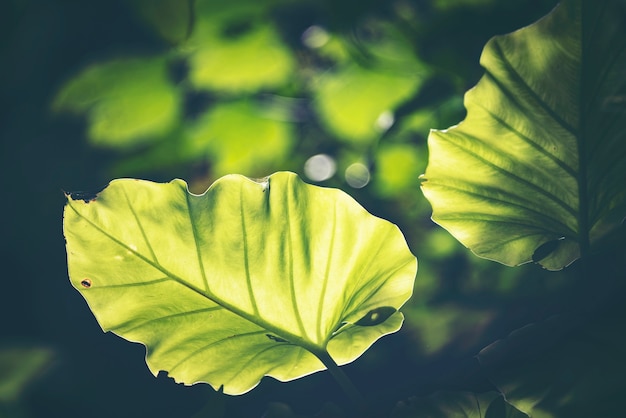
{"x":342,"y":379}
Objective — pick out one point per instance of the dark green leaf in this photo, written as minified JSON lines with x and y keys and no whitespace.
{"x":540,"y":155}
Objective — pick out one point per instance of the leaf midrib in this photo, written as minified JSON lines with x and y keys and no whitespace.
{"x":292,"y":338}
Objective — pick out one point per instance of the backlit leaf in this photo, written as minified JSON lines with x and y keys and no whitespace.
{"x":539,"y":158}
{"x":251,"y":278}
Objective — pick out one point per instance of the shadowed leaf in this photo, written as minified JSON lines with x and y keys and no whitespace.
{"x":539,"y":157}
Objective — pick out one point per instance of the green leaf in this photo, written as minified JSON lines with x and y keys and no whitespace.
{"x":251,"y":278}
{"x":239,"y":137}
{"x":127,"y":101}
{"x":539,"y":158}
{"x":355,"y":102}
{"x":458,"y":405}
{"x":397,"y":168}
{"x":232,"y":136}
{"x":238,"y":54}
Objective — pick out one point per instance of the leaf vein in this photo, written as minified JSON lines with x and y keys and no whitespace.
{"x":520,"y":81}
{"x":510,"y":174}
{"x":194,"y":231}
{"x":140,"y":226}
{"x":292,"y":288}
{"x":166,"y":317}
{"x":212,"y":344}
{"x":329,"y":258}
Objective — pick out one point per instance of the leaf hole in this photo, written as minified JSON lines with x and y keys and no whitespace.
{"x":545,"y":249}
{"x":86,"y":283}
{"x":376,"y":316}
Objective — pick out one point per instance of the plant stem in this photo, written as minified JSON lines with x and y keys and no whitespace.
{"x":342,"y":379}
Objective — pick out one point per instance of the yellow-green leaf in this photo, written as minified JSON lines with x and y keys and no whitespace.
{"x":251,"y":278}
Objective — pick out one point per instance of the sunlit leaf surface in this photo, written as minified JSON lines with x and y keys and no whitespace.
{"x":535,"y":172}
{"x":251,"y":278}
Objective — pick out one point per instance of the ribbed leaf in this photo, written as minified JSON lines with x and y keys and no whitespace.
{"x":251,"y":278}
{"x":536,"y":172}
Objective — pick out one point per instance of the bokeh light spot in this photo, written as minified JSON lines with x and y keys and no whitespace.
{"x":315,"y":37}
{"x":385,"y":120}
{"x":320,"y":167}
{"x":357,"y":175}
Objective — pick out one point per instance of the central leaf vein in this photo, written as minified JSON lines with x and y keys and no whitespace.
{"x":329,"y":259}
{"x":291,"y":278}
{"x":259,"y":321}
{"x":246,"y":261}
{"x":194,"y":231}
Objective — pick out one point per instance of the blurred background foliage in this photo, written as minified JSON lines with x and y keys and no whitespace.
{"x":341,"y":92}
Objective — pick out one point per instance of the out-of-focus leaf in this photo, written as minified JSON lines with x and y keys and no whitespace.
{"x":458,"y":405}
{"x":539,"y":157}
{"x":234,"y":136}
{"x":358,"y":98}
{"x":171,"y":19}
{"x":246,"y":280}
{"x":562,"y":367}
{"x":18,"y":367}
{"x":238,"y":52}
{"x":127,"y":101}
{"x":355,"y":102}
{"x":240,"y":138}
{"x":398,"y":167}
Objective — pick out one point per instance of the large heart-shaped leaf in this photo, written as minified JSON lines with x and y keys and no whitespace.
{"x":251,"y":278}
{"x":536,"y":172}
